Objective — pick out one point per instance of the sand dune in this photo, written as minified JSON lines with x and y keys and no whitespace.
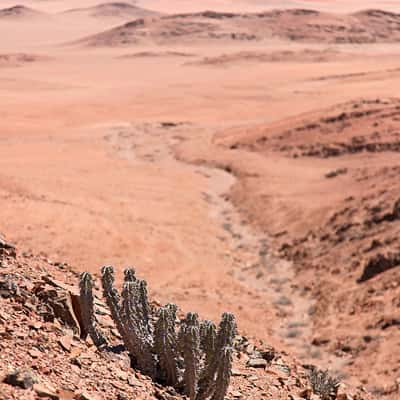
{"x":297,"y":25}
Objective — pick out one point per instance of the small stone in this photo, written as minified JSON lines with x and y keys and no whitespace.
{"x":66,"y":342}
{"x":44,"y":391}
{"x":8,"y":288}
{"x":131,"y":380}
{"x":36,"y":325}
{"x":253,"y":378}
{"x":34,"y":353}
{"x":237,"y":394}
{"x":121,"y":375}
{"x":250,"y":349}
{"x":21,"y":378}
{"x":236,"y":372}
{"x":117,"y":385}
{"x":257,"y":363}
{"x":4,"y":317}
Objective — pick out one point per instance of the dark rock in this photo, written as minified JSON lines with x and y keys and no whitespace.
{"x":378,"y":264}
{"x":8,"y":288}
{"x":21,"y":378}
{"x":58,"y":304}
{"x":268,"y":355}
{"x":257,"y":363}
{"x":7,"y":248}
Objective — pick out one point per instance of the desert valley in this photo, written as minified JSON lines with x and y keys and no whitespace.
{"x":241,"y":155}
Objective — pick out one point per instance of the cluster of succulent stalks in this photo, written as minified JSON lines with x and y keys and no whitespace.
{"x":190,"y":355}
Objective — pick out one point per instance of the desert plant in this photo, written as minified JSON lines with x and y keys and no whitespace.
{"x":188,"y":354}
{"x":87,"y":310}
{"x":137,"y":329}
{"x":166,"y":345}
{"x":208,"y":337}
{"x":190,"y":345}
{"x":212,"y":374}
{"x":323,"y":384}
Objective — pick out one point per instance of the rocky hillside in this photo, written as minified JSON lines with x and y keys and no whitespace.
{"x":371,"y":26}
{"x":44,"y":354}
{"x":337,"y":221}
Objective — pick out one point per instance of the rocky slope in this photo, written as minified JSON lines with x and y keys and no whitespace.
{"x":337,"y":219}
{"x":371,"y":26}
{"x":43,"y":355}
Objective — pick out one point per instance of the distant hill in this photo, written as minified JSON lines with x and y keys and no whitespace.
{"x":298,"y":25}
{"x":113,"y":10}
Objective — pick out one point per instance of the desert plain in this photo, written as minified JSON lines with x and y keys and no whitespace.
{"x":241,"y":155}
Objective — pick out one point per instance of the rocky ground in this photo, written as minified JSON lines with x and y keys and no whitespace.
{"x":43,"y":354}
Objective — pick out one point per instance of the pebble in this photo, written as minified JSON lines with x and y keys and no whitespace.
{"x":236,"y":372}
{"x":257,"y":363}
{"x":34,"y":353}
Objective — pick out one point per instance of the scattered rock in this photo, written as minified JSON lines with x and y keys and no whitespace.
{"x":257,"y":363}
{"x":8,"y":288}
{"x":66,"y":343}
{"x":7,"y":248}
{"x":379,"y":264}
{"x":58,"y":304}
{"x":24,"y":379}
{"x":250,"y":349}
{"x":236,"y":372}
{"x":44,"y":391}
{"x":35,"y":353}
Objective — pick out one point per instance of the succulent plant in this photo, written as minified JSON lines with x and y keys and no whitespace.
{"x":190,"y":336}
{"x":166,"y":345}
{"x":87,"y":310}
{"x":140,"y":342}
{"x":189,"y":355}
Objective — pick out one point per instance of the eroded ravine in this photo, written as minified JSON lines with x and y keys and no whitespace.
{"x":252,"y":263}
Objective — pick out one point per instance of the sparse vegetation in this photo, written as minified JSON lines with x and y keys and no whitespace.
{"x":323,"y":384}
{"x":190,"y":355}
